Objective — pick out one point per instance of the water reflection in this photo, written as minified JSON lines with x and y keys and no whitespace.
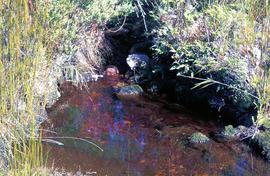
{"x":132,"y":146}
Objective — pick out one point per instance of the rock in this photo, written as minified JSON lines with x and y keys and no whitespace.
{"x":137,"y":61}
{"x":247,"y":133}
{"x":139,"y":64}
{"x":230,"y":131}
{"x":129,"y":90}
{"x":198,"y":138}
{"x":111,"y":71}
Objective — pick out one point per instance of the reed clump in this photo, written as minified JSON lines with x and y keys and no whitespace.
{"x":24,"y":63}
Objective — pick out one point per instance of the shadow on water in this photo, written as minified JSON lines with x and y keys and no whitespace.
{"x":139,"y":138}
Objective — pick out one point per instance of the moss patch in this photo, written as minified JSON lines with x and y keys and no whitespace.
{"x":198,"y":138}
{"x":230,"y":131}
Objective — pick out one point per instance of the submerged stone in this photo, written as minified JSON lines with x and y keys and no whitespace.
{"x":129,"y":90}
{"x":230,"y":131}
{"x":198,"y":138}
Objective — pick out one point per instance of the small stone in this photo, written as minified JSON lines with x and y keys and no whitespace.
{"x":111,"y":71}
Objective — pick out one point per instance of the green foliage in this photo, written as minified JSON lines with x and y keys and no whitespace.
{"x":259,"y":13}
{"x":266,"y":123}
{"x":75,"y":27}
{"x":221,"y":42}
{"x":207,"y":42}
{"x":104,"y":10}
{"x":63,"y":25}
{"x":70,"y":18}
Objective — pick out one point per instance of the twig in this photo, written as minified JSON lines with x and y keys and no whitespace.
{"x":142,"y":13}
{"x":52,"y":141}
{"x":120,"y":28}
{"x":76,"y":138}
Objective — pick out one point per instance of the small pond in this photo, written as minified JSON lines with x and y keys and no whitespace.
{"x":137,"y":137}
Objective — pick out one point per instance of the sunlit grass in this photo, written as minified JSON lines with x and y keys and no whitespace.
{"x":23,"y":59}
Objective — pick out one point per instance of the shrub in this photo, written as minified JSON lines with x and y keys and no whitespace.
{"x":223,"y":43}
{"x":76,"y":28}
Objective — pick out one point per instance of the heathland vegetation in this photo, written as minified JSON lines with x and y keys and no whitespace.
{"x":211,"y":51}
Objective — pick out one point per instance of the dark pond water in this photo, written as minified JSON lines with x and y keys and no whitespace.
{"x":138,"y":137}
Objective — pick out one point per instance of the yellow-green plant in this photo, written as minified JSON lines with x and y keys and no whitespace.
{"x":259,"y":15}
{"x":23,"y":62}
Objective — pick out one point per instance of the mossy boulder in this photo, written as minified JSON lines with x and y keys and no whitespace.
{"x":199,"y":138}
{"x":230,"y":131}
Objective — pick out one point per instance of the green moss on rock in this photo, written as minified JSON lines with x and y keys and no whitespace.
{"x":198,"y":138}
{"x":230,"y":131}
